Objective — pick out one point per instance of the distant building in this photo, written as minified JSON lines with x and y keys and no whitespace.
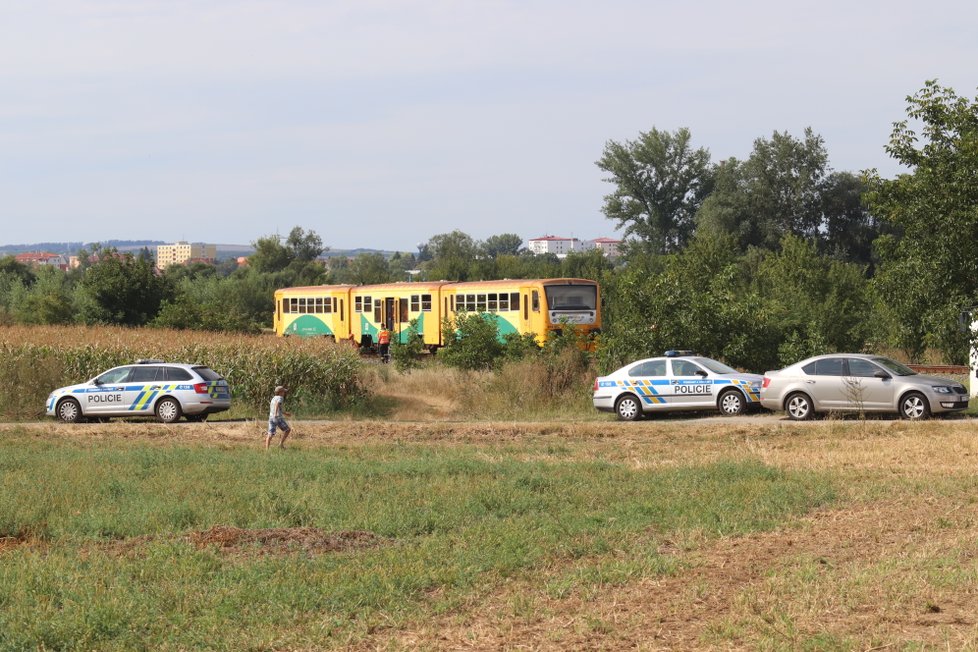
{"x":551,"y":244}
{"x":181,"y":253}
{"x":38,"y":258}
{"x":608,"y":246}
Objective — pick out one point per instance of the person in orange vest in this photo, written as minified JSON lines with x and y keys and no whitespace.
{"x":384,"y":340}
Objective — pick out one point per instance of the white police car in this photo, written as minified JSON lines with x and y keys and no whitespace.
{"x":676,"y":381}
{"x":149,"y":387}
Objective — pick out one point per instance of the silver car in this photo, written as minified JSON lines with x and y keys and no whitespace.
{"x":853,"y":382}
{"x":675,"y":382}
{"x":147,"y":388}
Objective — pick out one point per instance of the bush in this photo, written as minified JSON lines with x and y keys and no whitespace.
{"x":407,"y":355}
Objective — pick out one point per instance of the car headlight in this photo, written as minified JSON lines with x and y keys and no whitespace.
{"x":941,"y":389}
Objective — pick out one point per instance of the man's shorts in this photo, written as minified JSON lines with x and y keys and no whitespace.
{"x":277,"y":422}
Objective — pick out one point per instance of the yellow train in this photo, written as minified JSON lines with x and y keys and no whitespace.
{"x":355,"y":313}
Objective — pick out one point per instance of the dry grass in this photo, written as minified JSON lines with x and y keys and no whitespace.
{"x":894,"y":567}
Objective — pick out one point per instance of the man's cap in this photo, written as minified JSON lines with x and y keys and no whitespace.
{"x":281,"y":388}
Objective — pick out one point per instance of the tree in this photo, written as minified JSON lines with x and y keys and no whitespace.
{"x":928,"y":267}
{"x":660,"y":183}
{"x":776,"y":192}
{"x":366,"y":269}
{"x":452,"y":256}
{"x":121,"y":289}
{"x":304,"y":246}
{"x":270,"y":255}
{"x":504,"y":244}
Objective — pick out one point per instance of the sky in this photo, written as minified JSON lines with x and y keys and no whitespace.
{"x":380,"y":124}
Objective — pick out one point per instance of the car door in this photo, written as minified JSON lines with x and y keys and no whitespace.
{"x":691,"y":385}
{"x":826,"y":384}
{"x":106,"y":393}
{"x":648,"y":380}
{"x":142,"y":388}
{"x":866,"y":391}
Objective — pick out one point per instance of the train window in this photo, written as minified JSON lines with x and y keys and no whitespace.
{"x":503,"y":302}
{"x":526,"y":307}
{"x":377,"y":315}
{"x":293,"y":305}
{"x":357,"y":304}
{"x":480,"y":303}
{"x":286,"y":306}
{"x":404,"y":316}
{"x":514,"y":301}
{"x":415,"y":303}
{"x":426,"y":302}
{"x":341,"y":309}
{"x":331,"y":304}
{"x":492,"y":302}
{"x":320,"y":309}
{"x":536,"y":301}
{"x":469,"y":302}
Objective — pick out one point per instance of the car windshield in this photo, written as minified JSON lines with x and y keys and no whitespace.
{"x":894,"y":366}
{"x":571,"y":297}
{"x":716,"y":367}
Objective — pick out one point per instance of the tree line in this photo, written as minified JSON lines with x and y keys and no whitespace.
{"x":758,"y":261}
{"x":766,"y":260}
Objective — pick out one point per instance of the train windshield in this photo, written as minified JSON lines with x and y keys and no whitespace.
{"x":572,"y":297}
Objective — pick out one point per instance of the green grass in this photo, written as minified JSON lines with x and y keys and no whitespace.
{"x":455,"y":521}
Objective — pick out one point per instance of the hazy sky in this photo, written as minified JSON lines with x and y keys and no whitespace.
{"x":381,"y":124}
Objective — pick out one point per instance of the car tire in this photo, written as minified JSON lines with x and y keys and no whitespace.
{"x":731,"y":403}
{"x":69,"y":411}
{"x":914,"y":406}
{"x":799,"y":407}
{"x":168,"y":410}
{"x":628,"y":408}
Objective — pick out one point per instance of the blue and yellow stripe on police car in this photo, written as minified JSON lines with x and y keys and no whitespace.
{"x":646,"y":391}
{"x":146,"y":396}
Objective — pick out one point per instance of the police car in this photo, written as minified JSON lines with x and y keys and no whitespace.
{"x":146,"y":388}
{"x":676,"y":381}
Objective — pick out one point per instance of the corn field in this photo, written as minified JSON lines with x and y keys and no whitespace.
{"x":35,"y":360}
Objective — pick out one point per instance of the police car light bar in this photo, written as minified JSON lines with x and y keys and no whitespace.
{"x":148,"y":361}
{"x":675,"y":353}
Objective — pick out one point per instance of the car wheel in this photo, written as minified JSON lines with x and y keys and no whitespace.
{"x":799,"y":407}
{"x":69,"y":411}
{"x":914,"y":406}
{"x":731,"y":403}
{"x":196,"y":418}
{"x":628,"y":408}
{"x":168,"y":410}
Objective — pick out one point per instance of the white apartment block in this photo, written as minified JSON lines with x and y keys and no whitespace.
{"x":551,"y":244}
{"x":608,"y":246}
{"x":181,"y":252}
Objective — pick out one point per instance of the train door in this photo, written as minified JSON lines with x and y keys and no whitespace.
{"x":403,"y":320}
{"x":387,"y":319}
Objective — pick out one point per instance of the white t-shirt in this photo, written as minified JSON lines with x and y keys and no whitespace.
{"x":275,"y":407}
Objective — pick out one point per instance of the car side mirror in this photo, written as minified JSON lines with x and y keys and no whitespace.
{"x":882,"y":375}
{"x":700,"y":372}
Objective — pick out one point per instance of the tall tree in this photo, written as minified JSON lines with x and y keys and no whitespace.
{"x":928,"y":269}
{"x":504,"y":244}
{"x":660,"y":183}
{"x":452,"y":256}
{"x":778,"y":191}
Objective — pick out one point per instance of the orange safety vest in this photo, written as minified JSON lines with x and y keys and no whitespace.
{"x":384,"y":337}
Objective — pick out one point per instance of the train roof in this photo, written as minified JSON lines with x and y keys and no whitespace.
{"x":315,"y":288}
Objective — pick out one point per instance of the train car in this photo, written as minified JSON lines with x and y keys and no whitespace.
{"x":537,"y":306}
{"x":313,"y":311}
{"x":395,"y":305}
